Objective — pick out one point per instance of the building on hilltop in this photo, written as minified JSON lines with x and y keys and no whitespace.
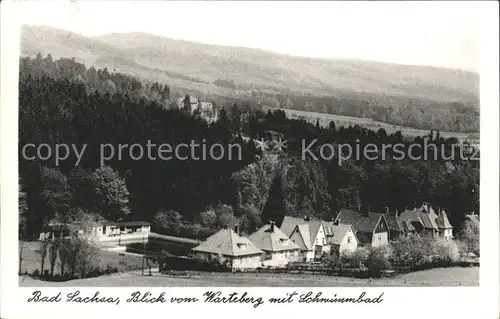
{"x":193,"y":104}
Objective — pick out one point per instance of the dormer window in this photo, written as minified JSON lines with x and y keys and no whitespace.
{"x":283,"y":240}
{"x":241,"y":245}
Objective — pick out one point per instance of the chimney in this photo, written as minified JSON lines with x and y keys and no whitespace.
{"x":237,"y":229}
{"x":366,"y":211}
{"x":336,"y":222}
{"x":307,"y":218}
{"x":359,"y":208}
{"x":425,"y":205}
{"x":271,"y":226}
{"x":397,"y":212}
{"x":387,"y":210}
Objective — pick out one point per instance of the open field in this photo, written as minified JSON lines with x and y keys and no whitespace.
{"x":434,"y":277}
{"x":32,"y":260}
{"x":131,"y":264}
{"x":341,"y":120}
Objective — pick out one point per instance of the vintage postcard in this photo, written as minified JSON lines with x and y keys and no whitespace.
{"x":215,"y":158}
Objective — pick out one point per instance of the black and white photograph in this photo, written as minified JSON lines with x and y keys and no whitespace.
{"x":249,"y":144}
{"x":309,"y":150}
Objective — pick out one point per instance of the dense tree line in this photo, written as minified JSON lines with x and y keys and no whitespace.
{"x":453,"y":116}
{"x":192,"y":197}
{"x":420,"y":113}
{"x":100,"y":80}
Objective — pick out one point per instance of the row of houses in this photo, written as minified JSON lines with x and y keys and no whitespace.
{"x":423,"y":220}
{"x":306,"y":240}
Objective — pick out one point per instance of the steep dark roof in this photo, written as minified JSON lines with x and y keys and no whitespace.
{"x":427,"y":221}
{"x":426,"y":217}
{"x":405,"y":225}
{"x":393,"y":222}
{"x":303,"y":231}
{"x":289,"y":223}
{"x":314,"y":226}
{"x":442,"y":221}
{"x":358,"y":221}
{"x":328,"y":228}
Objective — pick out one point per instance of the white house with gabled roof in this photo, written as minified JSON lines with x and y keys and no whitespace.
{"x":278,"y":249}
{"x":238,"y":252}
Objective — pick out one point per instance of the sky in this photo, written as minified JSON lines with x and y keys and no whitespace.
{"x":444,"y":34}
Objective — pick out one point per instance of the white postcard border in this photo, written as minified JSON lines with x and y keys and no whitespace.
{"x":459,"y":302}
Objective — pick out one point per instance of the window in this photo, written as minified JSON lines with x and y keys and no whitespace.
{"x":349,"y":239}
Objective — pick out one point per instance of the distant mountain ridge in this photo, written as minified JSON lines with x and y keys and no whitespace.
{"x":254,"y":73}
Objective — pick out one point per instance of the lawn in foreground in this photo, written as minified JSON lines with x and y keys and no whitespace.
{"x":32,"y":260}
{"x":434,"y":277}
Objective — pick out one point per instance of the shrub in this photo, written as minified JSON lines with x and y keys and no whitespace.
{"x":379,"y":258}
{"x":470,"y":236}
{"x":167,"y":222}
{"x":447,"y":251}
{"x":355,"y":259}
{"x":332,"y":261}
{"x":413,"y":251}
{"x":424,"y":251}
{"x":208,"y":218}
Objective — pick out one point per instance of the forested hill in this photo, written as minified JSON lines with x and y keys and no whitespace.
{"x":412,"y":96}
{"x":194,"y":198}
